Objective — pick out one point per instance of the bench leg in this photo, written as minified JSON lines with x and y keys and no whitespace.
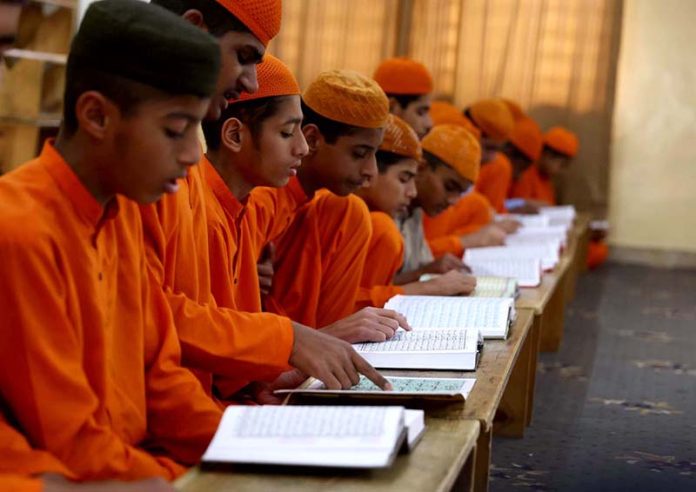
{"x":483,"y":459}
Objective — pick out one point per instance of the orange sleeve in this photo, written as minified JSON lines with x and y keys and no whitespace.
{"x":18,"y":483}
{"x":531,"y":186}
{"x":385,"y":255}
{"x":494,"y":181}
{"x":182,"y":419}
{"x":213,"y":339}
{"x":468,"y":215}
{"x":524,"y":186}
{"x":18,"y":460}
{"x":446,"y":244}
{"x":43,"y":383}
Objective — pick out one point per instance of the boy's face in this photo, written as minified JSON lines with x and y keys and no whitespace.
{"x":416,"y":114}
{"x":9,"y":23}
{"x":551,"y":162}
{"x":439,"y":188}
{"x":346,"y":165}
{"x":241,"y":52}
{"x":489,"y":147}
{"x":148,"y":150}
{"x":391,"y":192}
{"x":277,"y":153}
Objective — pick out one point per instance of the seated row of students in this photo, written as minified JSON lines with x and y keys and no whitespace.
{"x":133,"y":325}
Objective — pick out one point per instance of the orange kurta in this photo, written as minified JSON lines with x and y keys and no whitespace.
{"x":494,"y":181}
{"x":468,"y":215}
{"x":533,"y":186}
{"x":237,"y":232}
{"x":319,"y":257}
{"x":91,"y":364}
{"x":215,"y":340}
{"x":19,"y":463}
{"x":385,"y":256}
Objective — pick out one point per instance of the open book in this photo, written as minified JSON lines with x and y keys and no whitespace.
{"x":487,"y":285}
{"x":491,"y":316}
{"x":323,"y":436}
{"x":528,"y":220}
{"x":525,"y":271}
{"x":454,"y":349}
{"x":559,"y":215}
{"x":412,"y":387}
{"x":547,"y":253}
{"x":540,"y":234}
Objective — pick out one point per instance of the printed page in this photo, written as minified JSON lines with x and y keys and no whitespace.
{"x":431,"y":340}
{"x":452,"y":312}
{"x":402,"y":386}
{"x":527,"y":272}
{"x":307,"y":435}
{"x":546,"y":253}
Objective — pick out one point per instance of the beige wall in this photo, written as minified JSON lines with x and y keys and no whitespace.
{"x":653,"y":166}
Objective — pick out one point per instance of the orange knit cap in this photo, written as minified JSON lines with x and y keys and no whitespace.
{"x":404,"y":76}
{"x":444,"y":113}
{"x":401,"y":139}
{"x":562,"y":140}
{"x":275,"y":79}
{"x":348,"y":97}
{"x":262,"y":17}
{"x":527,"y":138}
{"x":493,"y":118}
{"x":455,"y":146}
{"x":515,"y":109}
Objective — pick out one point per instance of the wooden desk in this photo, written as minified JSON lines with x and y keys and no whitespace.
{"x":442,"y":461}
{"x":501,"y":398}
{"x":578,"y":241}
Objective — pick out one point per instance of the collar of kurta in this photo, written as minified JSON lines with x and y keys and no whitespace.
{"x":226,"y":198}
{"x":296,"y":190}
{"x":86,"y":206}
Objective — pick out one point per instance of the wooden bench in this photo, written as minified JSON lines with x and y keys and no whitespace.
{"x":501,"y":398}
{"x":442,"y":461}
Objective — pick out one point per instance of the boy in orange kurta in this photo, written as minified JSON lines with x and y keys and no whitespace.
{"x":257,"y":142}
{"x":408,"y":85}
{"x":389,"y":194}
{"x":216,"y":340}
{"x":92,"y":362}
{"x":320,"y":254}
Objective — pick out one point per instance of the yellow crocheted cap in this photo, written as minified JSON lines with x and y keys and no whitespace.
{"x":348,"y":97}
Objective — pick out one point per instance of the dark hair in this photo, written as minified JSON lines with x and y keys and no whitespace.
{"x":217,"y":18}
{"x":515,"y":154}
{"x":405,"y":99}
{"x":433,"y":160}
{"x":251,"y":113}
{"x":125,"y":93}
{"x":330,"y":129}
{"x":386,"y":159}
{"x":555,"y":153}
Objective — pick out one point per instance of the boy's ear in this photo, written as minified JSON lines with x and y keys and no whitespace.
{"x":232,"y":135}
{"x":422,"y":166}
{"x":94,"y":113}
{"x":313,"y":137}
{"x":195,"y":17}
{"x":394,"y":106}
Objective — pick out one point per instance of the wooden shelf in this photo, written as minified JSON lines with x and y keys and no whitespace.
{"x":44,"y":120}
{"x":52,"y":58}
{"x":67,"y":4}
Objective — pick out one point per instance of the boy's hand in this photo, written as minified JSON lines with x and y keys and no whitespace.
{"x":444,"y":264}
{"x":451,"y":284}
{"x":332,"y":361}
{"x":509,"y":225}
{"x":489,"y":235}
{"x":265,"y":270}
{"x":370,"y":324}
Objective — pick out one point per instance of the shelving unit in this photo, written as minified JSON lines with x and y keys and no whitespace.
{"x":33,"y":80}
